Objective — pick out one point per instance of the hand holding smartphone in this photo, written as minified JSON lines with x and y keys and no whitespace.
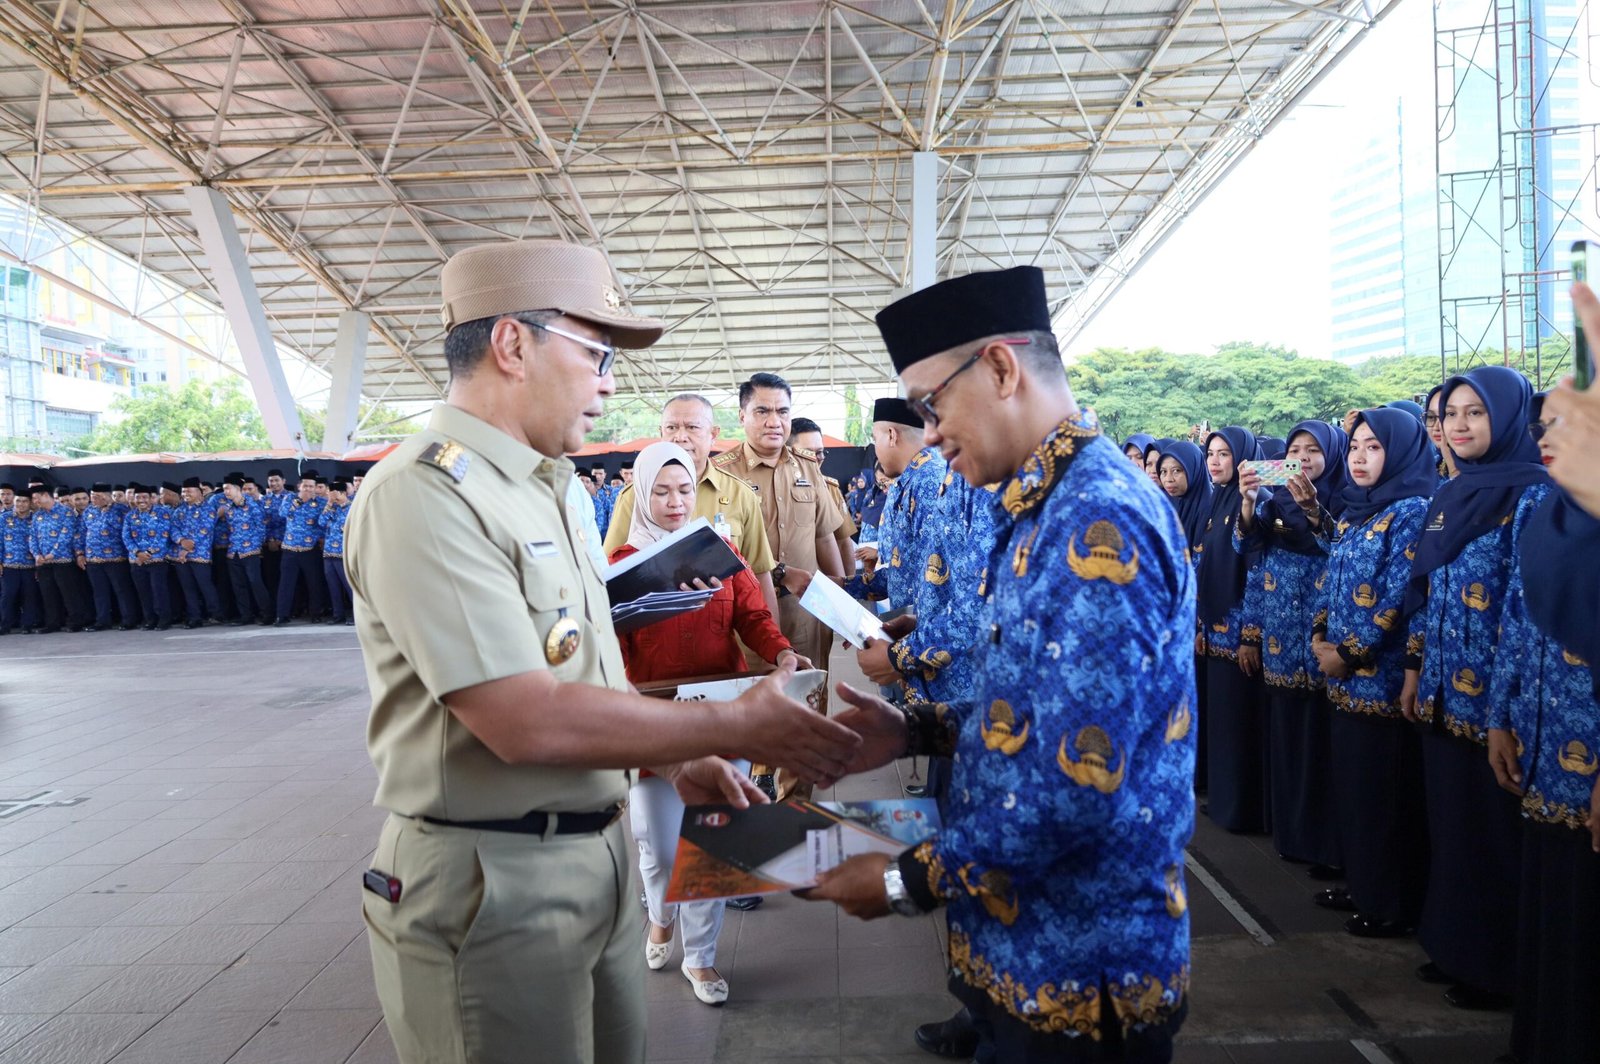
{"x":1274,"y":472}
{"x":1582,"y":364}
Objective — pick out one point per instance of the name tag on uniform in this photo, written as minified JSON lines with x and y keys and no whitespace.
{"x":801,"y":482}
{"x":542,"y":548}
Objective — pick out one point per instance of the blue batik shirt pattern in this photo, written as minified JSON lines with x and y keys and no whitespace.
{"x":1548,"y":701}
{"x":247,"y":528}
{"x":273,"y":505}
{"x":54,"y":534}
{"x":197,"y":522}
{"x":301,"y":528}
{"x":1222,"y":637}
{"x":1369,"y":566}
{"x":605,"y":503}
{"x":330,"y":522}
{"x":102,"y":534}
{"x":945,"y":530}
{"x":16,"y":551}
{"x":1457,"y":636}
{"x":1072,"y":795}
{"x":150,"y":531}
{"x":1280,"y":602}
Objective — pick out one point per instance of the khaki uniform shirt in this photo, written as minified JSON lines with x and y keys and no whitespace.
{"x":463,"y":555}
{"x":845,"y":534}
{"x":795,"y":502}
{"x":717,"y":492}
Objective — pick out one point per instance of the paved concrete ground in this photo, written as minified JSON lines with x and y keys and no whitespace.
{"x":186,"y":816}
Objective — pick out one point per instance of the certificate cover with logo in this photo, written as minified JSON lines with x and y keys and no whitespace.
{"x":645,"y":587}
{"x":725,"y":852}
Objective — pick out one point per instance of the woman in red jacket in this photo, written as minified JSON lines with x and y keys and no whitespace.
{"x":700,"y":643}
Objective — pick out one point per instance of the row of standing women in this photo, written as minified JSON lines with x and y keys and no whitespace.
{"x":1376,"y":696}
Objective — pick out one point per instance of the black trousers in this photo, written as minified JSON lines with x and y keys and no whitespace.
{"x":199,"y":591}
{"x":248,"y":587}
{"x":271,"y":568}
{"x":111,"y":585}
{"x":19,"y":599}
{"x":1378,"y":797}
{"x":1301,"y":759}
{"x":150,"y":582}
{"x":223,"y":578}
{"x":1004,"y":1039}
{"x":1469,"y":918}
{"x":62,"y":587}
{"x":1236,"y":748}
{"x":1558,"y":955}
{"x":298,"y":566}
{"x":338,"y":588}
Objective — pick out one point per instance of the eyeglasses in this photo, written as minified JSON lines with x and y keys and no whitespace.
{"x":605,"y":354}
{"x":1537,"y":429}
{"x":922,"y":406}
{"x":1430,"y":420}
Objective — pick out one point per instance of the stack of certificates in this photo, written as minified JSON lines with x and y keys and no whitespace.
{"x":656,"y":606}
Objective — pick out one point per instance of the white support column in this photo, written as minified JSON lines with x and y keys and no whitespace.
{"x":344,"y":396}
{"x":230,"y":274}
{"x":924,"y":219}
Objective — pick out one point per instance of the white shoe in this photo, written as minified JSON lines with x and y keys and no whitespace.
{"x":656,"y":953}
{"x":710,"y":991}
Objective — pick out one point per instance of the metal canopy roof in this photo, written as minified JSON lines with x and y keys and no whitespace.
{"x":745,"y":162}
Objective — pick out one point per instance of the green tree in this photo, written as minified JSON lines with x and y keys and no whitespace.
{"x":199,"y":416}
{"x":857,"y":419}
{"x":1392,"y":377}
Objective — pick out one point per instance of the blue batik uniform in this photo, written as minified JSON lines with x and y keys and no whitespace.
{"x":940,"y":547}
{"x":605,"y":504}
{"x":273,"y":507}
{"x":16,"y":552}
{"x":55,"y":534}
{"x":196,"y":522}
{"x":1062,"y":856}
{"x":247,"y":527}
{"x":865,"y":500}
{"x":1458,"y":636}
{"x":102,"y":535}
{"x":150,"y":532}
{"x":1280,"y":602}
{"x":330,"y":524}
{"x":19,"y":588}
{"x":1368,"y":568}
{"x":301,"y":530}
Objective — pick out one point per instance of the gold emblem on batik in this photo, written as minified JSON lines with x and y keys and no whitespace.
{"x":1364,"y":596}
{"x":1572,"y":659}
{"x":1466,"y":681}
{"x":1179,"y":721}
{"x":1000,"y":729}
{"x":1575,"y":757}
{"x":937,"y":572}
{"x":1269,"y":582}
{"x":1273,"y":646}
{"x":1476,"y":597}
{"x":1177,"y":900}
{"x":1385,"y":619}
{"x":1093,"y":765}
{"x":1104,"y":560}
{"x":993,"y":890}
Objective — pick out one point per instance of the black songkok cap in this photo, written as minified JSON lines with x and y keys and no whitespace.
{"x":339,"y":485}
{"x":191,"y":482}
{"x":8,"y":487}
{"x":251,"y":480}
{"x":235,"y":479}
{"x":896,"y":411}
{"x":628,"y":464}
{"x":38,"y":489}
{"x":961,"y":310}
{"x":62,"y":491}
{"x":274,"y":472}
{"x":167,"y":485}
{"x":80,"y":491}
{"x":100,"y":485}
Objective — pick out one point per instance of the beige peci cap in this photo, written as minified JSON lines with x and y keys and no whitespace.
{"x":520,"y":275}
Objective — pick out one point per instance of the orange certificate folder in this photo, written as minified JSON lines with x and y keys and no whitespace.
{"x":725,"y":852}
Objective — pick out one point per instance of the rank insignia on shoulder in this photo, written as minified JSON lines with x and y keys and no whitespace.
{"x":449,"y":456}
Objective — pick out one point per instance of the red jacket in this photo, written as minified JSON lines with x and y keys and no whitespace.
{"x":702,"y":643}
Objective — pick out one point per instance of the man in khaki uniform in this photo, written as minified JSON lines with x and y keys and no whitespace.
{"x":687,"y":421}
{"x":500,"y":901}
{"x":806,"y":435}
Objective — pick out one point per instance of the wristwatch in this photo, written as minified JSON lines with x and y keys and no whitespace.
{"x":895,"y":887}
{"x":780,"y":571}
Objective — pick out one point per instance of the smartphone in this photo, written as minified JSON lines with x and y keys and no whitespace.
{"x":1582,"y":365}
{"x":1275,"y":471}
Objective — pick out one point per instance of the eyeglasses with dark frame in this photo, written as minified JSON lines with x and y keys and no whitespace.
{"x":922,"y":406}
{"x":1537,"y":429}
{"x":605,"y":354}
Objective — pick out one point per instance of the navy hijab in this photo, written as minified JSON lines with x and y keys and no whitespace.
{"x":1194,"y":506}
{"x":1486,"y":490}
{"x":1222,"y":569}
{"x":1278,"y":508}
{"x":1408,"y":469}
{"x":1142,"y":440}
{"x":1414,"y":409}
{"x":1560,"y":557}
{"x":1272,"y":446}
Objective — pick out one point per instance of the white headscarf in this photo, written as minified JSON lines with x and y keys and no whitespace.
{"x":642,"y":531}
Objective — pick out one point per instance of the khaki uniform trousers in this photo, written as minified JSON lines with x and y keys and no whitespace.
{"x":813,"y":639}
{"x":507,"y":948}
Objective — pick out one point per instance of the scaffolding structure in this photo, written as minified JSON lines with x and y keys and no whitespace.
{"x":1517,"y":160}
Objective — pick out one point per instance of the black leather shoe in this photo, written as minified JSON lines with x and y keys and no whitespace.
{"x":744,"y":905}
{"x":1367,"y":927}
{"x":953,"y":1038}
{"x":1432,"y":973}
{"x":88,"y":628}
{"x":1474,"y":999}
{"x":349,"y":622}
{"x":1325,"y":873}
{"x":1336,"y":898}
{"x":281,"y":622}
{"x":194,"y":624}
{"x":164,"y":626}
{"x":239,"y":623}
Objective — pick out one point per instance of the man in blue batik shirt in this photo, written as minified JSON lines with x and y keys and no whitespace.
{"x":302,"y":563}
{"x":247,"y":533}
{"x":1060,"y":862}
{"x":19,"y":585}
{"x":107,"y":559}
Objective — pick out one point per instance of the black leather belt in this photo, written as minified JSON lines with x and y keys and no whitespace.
{"x":538,"y":823}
